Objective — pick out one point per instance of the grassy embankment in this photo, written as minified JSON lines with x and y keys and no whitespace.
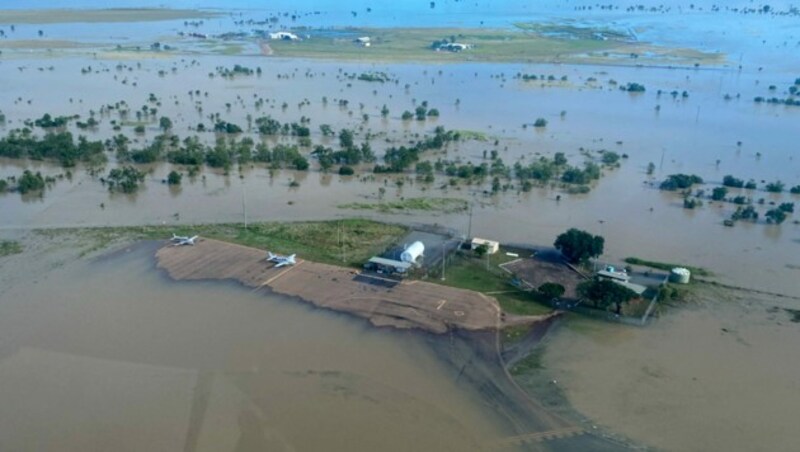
{"x":668,"y":294}
{"x":344,"y":242}
{"x":409,"y":205}
{"x":58,"y":16}
{"x":524,"y":42}
{"x":666,"y":266}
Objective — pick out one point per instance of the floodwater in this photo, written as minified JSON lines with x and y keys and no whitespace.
{"x":110,"y":355}
{"x":699,"y":134}
{"x":721,"y":376}
{"x":207,"y":367}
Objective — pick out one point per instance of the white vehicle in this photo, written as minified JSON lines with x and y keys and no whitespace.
{"x":281,"y":261}
{"x":178,"y":240}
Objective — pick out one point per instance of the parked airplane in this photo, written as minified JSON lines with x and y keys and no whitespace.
{"x":281,"y":261}
{"x":179,"y":240}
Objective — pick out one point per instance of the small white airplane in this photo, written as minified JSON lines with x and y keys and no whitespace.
{"x":178,"y":240}
{"x":281,"y":261}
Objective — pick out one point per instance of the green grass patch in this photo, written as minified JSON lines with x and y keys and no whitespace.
{"x":525,"y":42}
{"x":472,"y":273}
{"x":570,"y":31}
{"x":442,"y":205}
{"x":395,"y":44}
{"x":522,"y":303}
{"x":512,"y":334}
{"x":344,"y":242}
{"x":9,"y":247}
{"x":666,"y":266}
{"x":472,"y":135}
{"x":529,"y":363}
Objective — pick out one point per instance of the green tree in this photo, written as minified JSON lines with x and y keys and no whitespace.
{"x":30,"y":182}
{"x":540,"y":122}
{"x":730,"y":181}
{"x":165,"y":123}
{"x":680,"y":181}
{"x":579,"y":246}
{"x":610,"y":158}
{"x":174,"y":178}
{"x":776,"y":216}
{"x":604,"y":293}
{"x":481,"y":250}
{"x":775,"y":187}
{"x":551,"y":290}
{"x":719,"y":193}
{"x":125,"y":179}
{"x":346,"y":138}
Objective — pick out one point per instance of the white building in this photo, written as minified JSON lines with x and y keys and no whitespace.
{"x":284,"y":36}
{"x":491,"y":246}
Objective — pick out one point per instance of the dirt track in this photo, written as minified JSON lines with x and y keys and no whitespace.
{"x":408,"y":304}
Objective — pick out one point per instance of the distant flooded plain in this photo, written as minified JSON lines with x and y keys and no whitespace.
{"x":702,"y":133}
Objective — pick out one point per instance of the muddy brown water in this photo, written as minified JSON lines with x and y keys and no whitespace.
{"x":112,"y":354}
{"x":189,"y":362}
{"x":686,"y":135}
{"x":721,"y":376}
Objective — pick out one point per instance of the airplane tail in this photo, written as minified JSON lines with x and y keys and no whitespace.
{"x":270,"y":255}
{"x":291,"y":258}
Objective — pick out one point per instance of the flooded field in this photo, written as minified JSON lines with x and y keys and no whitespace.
{"x":698,"y":134}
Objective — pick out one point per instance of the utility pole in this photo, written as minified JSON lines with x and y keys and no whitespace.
{"x":244,"y":203}
{"x":444,"y":259}
{"x":339,"y":239}
{"x":469,"y":230}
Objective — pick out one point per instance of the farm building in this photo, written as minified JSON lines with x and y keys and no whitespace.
{"x":491,"y":246}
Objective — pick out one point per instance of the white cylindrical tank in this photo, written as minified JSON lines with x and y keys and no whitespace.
{"x":412,"y":252}
{"x":680,"y":275}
